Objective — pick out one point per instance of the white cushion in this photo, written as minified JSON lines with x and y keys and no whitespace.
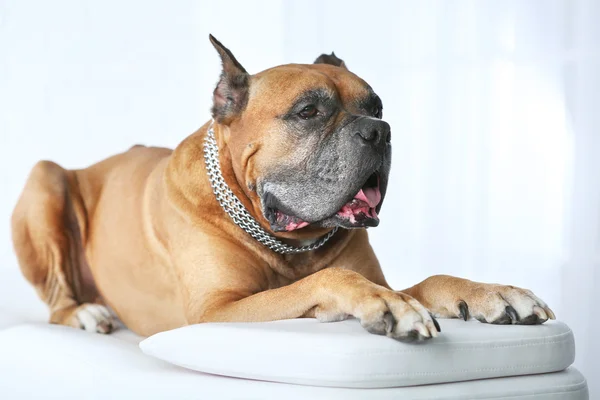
{"x":343,"y":354}
{"x":41,"y":361}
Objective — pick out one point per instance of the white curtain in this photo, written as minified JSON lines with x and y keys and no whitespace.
{"x":494,"y":107}
{"x":495,"y":114}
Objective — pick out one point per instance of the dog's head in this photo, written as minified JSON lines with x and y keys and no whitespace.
{"x":307,"y":142}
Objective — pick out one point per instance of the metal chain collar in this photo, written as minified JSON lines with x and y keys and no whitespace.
{"x":236,"y":210}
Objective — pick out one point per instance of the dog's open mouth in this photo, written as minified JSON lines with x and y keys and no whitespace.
{"x":358,"y":212}
{"x":364,"y":203}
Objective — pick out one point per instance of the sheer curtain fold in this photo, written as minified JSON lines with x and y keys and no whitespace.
{"x":496,"y":166}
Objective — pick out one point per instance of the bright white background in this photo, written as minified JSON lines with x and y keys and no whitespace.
{"x":494,"y":107}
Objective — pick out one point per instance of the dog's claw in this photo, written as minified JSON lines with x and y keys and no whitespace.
{"x":422,"y":329}
{"x":512,"y":313}
{"x":390,"y":322}
{"x":435,"y":323}
{"x":542,"y":316}
{"x":464,"y":310}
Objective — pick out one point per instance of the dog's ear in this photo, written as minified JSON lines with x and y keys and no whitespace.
{"x":331,"y":59}
{"x":231,"y":94}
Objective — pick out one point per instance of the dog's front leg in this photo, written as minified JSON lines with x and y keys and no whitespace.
{"x":330,"y":294}
{"x":451,"y":297}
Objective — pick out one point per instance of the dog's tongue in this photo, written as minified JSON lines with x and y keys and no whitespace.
{"x":371,"y":196}
{"x":364,"y":203}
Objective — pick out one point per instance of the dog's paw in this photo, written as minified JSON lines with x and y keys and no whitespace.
{"x":95,"y":318}
{"x":396,"y":315}
{"x":504,"y":305}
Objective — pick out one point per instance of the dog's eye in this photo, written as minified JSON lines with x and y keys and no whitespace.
{"x":308,"y":112}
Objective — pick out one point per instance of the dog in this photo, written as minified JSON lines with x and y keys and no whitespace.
{"x":260,"y":215}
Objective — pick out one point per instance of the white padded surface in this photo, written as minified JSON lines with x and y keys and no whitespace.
{"x":343,"y":354}
{"x":18,"y":300}
{"x":48,"y":361}
{"x":44,"y":361}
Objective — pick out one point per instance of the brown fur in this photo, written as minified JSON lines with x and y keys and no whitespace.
{"x":143,"y":233}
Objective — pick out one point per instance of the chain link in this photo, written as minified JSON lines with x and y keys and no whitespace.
{"x":236,"y":210}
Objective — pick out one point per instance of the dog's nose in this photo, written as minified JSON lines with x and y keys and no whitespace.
{"x":373,"y":131}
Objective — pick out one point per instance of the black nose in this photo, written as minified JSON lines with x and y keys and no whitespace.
{"x":373,"y":131}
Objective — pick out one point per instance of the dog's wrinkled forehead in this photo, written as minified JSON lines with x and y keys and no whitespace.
{"x":277,"y":89}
